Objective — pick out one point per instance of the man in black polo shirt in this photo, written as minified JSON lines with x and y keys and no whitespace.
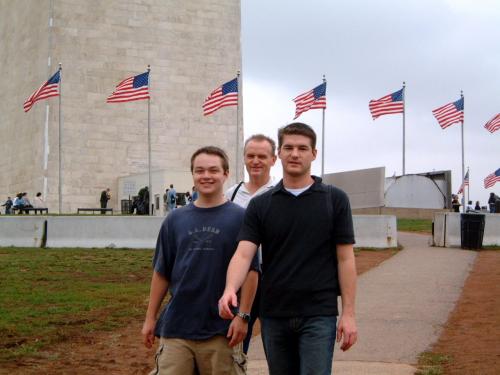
{"x":305,"y":229}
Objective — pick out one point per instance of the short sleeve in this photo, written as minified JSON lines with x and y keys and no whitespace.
{"x":255,"y":266}
{"x":343,"y":230}
{"x":250,"y":230}
{"x":164,"y":256}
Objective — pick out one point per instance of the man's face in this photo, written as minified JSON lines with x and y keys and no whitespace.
{"x":208,"y":174}
{"x":296,"y":155}
{"x":259,"y":158}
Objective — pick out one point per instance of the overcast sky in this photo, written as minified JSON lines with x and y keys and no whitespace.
{"x":367,"y":49}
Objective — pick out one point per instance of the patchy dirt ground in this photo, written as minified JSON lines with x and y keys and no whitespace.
{"x":119,"y":352}
{"x":471,"y":337}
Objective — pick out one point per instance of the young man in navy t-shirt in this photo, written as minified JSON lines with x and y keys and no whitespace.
{"x":194,"y":247}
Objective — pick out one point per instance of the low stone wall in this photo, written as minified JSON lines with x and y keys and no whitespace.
{"x":400,"y":212}
{"x":106,"y":231}
{"x":447,"y":230}
{"x":21,"y":231}
{"x":374,"y":231}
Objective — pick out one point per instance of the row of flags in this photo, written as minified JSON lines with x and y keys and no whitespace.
{"x":137,"y":88}
{"x":446,"y":115}
{"x":489,"y":181}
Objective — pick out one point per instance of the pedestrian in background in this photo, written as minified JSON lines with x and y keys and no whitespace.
{"x":171,"y":198}
{"x":38,"y":202}
{"x":8,"y":206}
{"x":105,"y":197}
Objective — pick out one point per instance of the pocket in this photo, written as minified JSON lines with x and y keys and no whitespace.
{"x":240,"y":360}
{"x":159,"y":351}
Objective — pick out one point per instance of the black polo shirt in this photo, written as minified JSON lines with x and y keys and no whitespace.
{"x":298,"y":235}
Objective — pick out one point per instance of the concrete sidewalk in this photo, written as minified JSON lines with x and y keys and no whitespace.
{"x":401,"y":307}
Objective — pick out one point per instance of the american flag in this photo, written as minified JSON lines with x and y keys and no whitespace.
{"x":450,"y":114}
{"x":492,"y":179}
{"x":464,"y":183}
{"x":130,"y":89}
{"x":312,"y":99}
{"x":47,"y":90}
{"x":494,"y":124}
{"x":223,"y":96}
{"x":387,"y":105}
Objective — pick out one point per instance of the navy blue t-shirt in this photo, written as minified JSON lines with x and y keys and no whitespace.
{"x":193,"y":251}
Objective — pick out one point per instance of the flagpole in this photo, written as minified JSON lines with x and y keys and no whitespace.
{"x":60,"y":139}
{"x":463,"y":159}
{"x":468,"y":185}
{"x":323,"y":140}
{"x":404,"y":112}
{"x":150,"y":208}
{"x":237,"y":169}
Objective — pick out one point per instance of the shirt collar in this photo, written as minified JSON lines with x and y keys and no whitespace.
{"x":268,"y":185}
{"x":316,"y":186}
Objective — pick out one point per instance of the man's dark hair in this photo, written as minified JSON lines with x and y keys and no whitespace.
{"x":297,"y":128}
{"x":261,"y":138}
{"x":212,"y":150}
{"x":38,"y":194}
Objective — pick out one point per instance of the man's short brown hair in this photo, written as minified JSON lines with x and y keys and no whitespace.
{"x":212,"y":150}
{"x":297,"y":128}
{"x":261,"y":138}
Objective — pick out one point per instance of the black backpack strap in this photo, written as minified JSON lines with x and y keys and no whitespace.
{"x":236,"y":191}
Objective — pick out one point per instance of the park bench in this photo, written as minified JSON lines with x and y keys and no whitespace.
{"x":94,"y":210}
{"x":31,"y":209}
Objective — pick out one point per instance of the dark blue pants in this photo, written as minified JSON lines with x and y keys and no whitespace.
{"x":299,"y":346}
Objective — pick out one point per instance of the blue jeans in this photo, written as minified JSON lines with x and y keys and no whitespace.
{"x":299,"y":346}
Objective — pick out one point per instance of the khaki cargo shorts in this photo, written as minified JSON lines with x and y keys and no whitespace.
{"x":212,"y":356}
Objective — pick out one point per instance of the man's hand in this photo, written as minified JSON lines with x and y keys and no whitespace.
{"x":347,"y":332}
{"x":148,"y":332}
{"x":237,"y":331}
{"x":227,"y":302}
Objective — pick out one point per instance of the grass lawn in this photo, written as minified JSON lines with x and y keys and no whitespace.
{"x":47,"y":295}
{"x":431,"y":364}
{"x":415,"y":225}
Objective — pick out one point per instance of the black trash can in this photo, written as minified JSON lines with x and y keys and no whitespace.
{"x":497,"y":206}
{"x":471,"y":231}
{"x":125,"y":206}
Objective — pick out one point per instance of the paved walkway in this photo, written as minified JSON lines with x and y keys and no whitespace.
{"x":401,"y":307}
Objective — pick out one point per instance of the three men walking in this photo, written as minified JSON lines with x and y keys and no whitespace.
{"x":306,"y":234}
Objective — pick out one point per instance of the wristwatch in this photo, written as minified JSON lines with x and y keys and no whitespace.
{"x":244,"y":316}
